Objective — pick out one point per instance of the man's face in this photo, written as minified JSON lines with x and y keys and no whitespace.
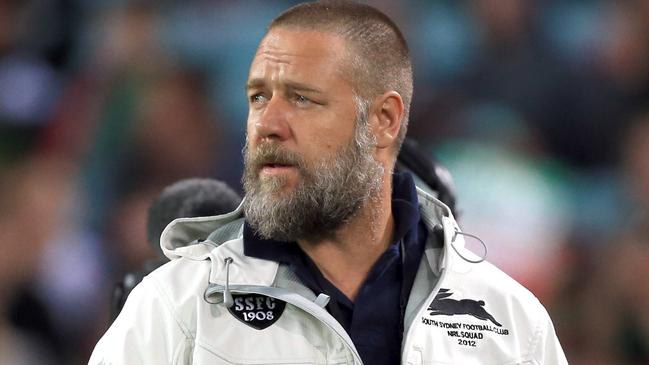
{"x":309,"y":166}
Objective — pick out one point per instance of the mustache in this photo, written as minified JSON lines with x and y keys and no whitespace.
{"x":272,"y":153}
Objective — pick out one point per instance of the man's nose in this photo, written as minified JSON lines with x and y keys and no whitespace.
{"x":273,"y":122}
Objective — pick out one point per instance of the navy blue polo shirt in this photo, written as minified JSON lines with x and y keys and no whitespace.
{"x":375,"y":320}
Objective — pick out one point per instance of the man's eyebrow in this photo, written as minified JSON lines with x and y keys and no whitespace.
{"x":290,"y":85}
{"x":255,"y":84}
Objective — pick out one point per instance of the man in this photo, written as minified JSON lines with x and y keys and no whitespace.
{"x":338,"y":260}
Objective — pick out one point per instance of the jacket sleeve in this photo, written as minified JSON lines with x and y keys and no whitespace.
{"x":548,"y":350}
{"x":146,"y":332}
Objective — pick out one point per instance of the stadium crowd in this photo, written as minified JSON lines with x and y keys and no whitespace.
{"x":540,"y":110}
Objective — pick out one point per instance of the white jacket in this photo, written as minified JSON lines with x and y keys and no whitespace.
{"x":458,"y":312}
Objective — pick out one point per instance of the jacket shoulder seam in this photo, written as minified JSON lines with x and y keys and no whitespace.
{"x":167,"y":303}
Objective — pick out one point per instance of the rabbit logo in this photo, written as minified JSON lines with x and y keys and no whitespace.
{"x":445,"y":306}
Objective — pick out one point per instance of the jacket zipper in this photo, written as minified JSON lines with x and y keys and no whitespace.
{"x":444,"y":270}
{"x":408,"y":336}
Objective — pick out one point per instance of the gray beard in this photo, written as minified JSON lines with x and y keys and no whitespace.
{"x":330,"y":191}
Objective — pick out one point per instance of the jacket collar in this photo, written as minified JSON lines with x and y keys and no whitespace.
{"x":198,"y":239}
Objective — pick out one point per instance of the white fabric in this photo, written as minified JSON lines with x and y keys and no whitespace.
{"x":167,"y":320}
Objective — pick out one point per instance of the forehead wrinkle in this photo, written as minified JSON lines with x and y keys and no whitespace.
{"x":278,"y":73}
{"x":275,"y":56}
{"x":349,"y":63}
{"x":273,"y":46}
{"x":269,"y":70}
{"x":278,"y":58}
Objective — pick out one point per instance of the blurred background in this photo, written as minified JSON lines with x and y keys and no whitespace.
{"x":540,"y":110}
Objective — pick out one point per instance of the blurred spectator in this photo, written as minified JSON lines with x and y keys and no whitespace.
{"x":636,"y":168}
{"x":32,"y":212}
{"x":192,"y":197}
{"x":186,"y":198}
{"x":153,"y":132}
{"x":175,"y":133}
{"x":616,"y":300}
{"x":510,"y":195}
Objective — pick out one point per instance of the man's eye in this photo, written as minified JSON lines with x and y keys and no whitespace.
{"x":257,"y":98}
{"x":301,"y":99}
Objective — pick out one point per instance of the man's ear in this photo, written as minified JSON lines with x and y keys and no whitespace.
{"x":387,"y":114}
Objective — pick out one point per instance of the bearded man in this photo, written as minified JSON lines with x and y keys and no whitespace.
{"x":332,"y":258}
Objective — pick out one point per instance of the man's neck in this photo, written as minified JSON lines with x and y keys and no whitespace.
{"x":347,"y":258}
